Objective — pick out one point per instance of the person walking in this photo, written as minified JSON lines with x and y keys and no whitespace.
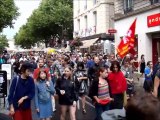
{"x":148,"y":83}
{"x":142,"y":65}
{"x":41,"y":66}
{"x":118,"y":85}
{"x":100,"y":94}
{"x":66,"y":91}
{"x":44,"y":90}
{"x":80,"y":78}
{"x":21,"y":93}
{"x":156,"y":90}
{"x":127,"y":70}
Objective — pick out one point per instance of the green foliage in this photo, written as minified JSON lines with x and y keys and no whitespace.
{"x":3,"y":42}
{"x":24,"y":37}
{"x":52,"y":18}
{"x":8,"y":12}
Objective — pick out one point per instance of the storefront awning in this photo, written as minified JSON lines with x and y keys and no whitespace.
{"x":88,"y":43}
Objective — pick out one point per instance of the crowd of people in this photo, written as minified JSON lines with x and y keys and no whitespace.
{"x":107,"y":79}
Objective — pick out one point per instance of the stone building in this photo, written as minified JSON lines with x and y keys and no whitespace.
{"x":92,"y":19}
{"x":147,"y":33}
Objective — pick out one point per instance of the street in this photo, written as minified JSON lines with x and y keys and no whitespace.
{"x":79,"y":115}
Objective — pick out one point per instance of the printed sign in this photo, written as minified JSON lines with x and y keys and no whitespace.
{"x":7,"y":68}
{"x":153,"y":20}
{"x":3,"y":84}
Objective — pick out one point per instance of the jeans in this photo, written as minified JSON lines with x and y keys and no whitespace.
{"x":100,"y":109}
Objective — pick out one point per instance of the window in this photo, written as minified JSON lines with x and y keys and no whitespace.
{"x":86,"y":24}
{"x":95,"y":18}
{"x":94,"y":2}
{"x":154,"y":1}
{"x":78,"y":6}
{"x":128,"y":6}
{"x":85,"y":5}
{"x":78,"y":24}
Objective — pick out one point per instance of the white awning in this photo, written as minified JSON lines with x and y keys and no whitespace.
{"x":88,"y":43}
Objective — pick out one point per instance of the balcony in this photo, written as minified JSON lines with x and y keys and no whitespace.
{"x":128,"y":9}
{"x":154,"y":1}
{"x":122,"y":11}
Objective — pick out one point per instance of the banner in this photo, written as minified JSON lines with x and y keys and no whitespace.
{"x":127,"y":42}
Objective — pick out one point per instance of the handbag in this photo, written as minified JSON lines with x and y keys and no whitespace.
{"x":83,"y":87}
{"x":7,"y":103}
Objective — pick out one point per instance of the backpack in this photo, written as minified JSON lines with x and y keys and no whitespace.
{"x":7,"y":103}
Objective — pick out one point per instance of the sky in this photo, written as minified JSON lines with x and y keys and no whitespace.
{"x":26,"y":8}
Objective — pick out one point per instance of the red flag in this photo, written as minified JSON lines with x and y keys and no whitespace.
{"x":127,"y":42}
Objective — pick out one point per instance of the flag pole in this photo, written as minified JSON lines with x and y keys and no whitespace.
{"x":122,"y":60}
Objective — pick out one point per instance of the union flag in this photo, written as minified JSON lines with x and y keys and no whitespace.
{"x":127,"y":42}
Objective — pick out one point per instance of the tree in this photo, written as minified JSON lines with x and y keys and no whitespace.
{"x":3,"y":43}
{"x":52,"y":18}
{"x":24,"y":37}
{"x":8,"y":12}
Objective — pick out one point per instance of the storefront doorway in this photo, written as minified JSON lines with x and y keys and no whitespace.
{"x":155,"y":49}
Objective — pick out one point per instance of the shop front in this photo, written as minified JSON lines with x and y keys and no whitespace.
{"x":147,"y":32}
{"x":153,"y":20}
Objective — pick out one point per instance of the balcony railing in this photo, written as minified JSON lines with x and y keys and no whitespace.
{"x":128,"y":9}
{"x":154,"y":1}
{"x":138,"y":5}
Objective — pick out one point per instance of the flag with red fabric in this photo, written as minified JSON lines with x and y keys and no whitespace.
{"x":126,"y":44}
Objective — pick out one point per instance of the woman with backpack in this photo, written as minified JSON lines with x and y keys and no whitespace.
{"x":21,"y":92}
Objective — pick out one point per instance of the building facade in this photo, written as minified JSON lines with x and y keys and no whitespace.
{"x":147,"y":31}
{"x":92,"y":19}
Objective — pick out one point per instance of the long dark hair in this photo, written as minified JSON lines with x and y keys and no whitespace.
{"x":80,"y":64}
{"x":113,"y":64}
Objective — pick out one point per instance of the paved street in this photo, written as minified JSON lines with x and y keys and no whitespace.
{"x":80,"y":116}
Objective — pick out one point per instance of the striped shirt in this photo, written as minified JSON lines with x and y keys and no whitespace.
{"x":103,"y":91}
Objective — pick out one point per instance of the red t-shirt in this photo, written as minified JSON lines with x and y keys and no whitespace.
{"x":36,"y":72}
{"x":117,"y":82}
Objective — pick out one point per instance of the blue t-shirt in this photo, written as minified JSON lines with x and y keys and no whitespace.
{"x":146,"y":72}
{"x":90,"y":64}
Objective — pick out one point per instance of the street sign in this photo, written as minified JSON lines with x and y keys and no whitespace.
{"x":7,"y":68}
{"x":112,"y":31}
{"x":3,"y":84}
